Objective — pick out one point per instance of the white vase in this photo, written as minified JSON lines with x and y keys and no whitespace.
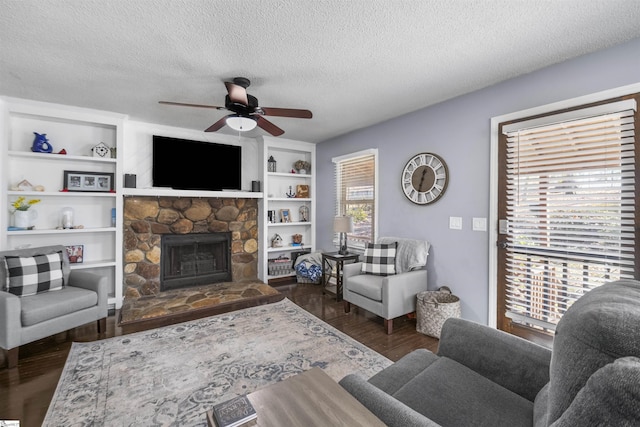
{"x":25,"y":219}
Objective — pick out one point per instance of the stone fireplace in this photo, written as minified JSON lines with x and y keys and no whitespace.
{"x":147,"y":220}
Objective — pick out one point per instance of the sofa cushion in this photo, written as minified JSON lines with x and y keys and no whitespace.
{"x":49,"y":305}
{"x":29,"y":275}
{"x":368,"y":286}
{"x":380,"y":259}
{"x":392,"y":378}
{"x":451,"y":394}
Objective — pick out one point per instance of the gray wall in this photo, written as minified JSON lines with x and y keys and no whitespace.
{"x":459,"y":131}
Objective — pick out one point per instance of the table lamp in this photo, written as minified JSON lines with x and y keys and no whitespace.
{"x":343,"y":225}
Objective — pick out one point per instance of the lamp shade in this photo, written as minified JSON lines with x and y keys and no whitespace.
{"x":343,"y":224}
{"x":241,"y":123}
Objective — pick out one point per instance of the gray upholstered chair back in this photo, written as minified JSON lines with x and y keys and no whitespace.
{"x":41,"y":250}
{"x":599,"y":328}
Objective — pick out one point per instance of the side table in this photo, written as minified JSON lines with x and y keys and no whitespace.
{"x":328,"y":261}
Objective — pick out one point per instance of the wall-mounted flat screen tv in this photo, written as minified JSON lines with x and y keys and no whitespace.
{"x":195,"y":165}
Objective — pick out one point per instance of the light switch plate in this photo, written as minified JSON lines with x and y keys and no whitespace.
{"x":479,"y":224}
{"x":455,"y":222}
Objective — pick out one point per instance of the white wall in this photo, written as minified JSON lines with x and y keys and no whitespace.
{"x":459,"y":130}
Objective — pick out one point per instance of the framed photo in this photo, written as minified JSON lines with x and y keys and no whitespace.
{"x":302,"y":191}
{"x":285,"y":215}
{"x":88,"y":181}
{"x":76,"y":253}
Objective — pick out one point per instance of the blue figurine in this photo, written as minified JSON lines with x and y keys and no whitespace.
{"x":41,"y":144}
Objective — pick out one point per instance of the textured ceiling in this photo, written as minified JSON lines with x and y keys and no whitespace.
{"x":352,"y":63}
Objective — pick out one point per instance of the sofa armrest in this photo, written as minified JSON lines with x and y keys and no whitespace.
{"x":389,"y":410}
{"x":10,"y":323}
{"x":513,"y":362}
{"x":352,"y":269}
{"x":610,"y":397}
{"x":93,"y":282}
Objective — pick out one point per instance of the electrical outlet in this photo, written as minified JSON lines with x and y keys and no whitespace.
{"x":455,"y":222}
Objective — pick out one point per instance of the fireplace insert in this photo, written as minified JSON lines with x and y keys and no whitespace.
{"x":194,"y":259}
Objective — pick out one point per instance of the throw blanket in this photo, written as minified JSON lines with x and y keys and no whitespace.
{"x":410,"y":255}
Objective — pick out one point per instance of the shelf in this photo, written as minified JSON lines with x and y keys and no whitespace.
{"x":63,"y":231}
{"x":170,"y":192}
{"x":285,"y":249}
{"x":288,"y":199}
{"x":63,"y":193}
{"x":286,"y":224}
{"x":64,"y":157}
{"x":92,"y":264}
{"x":289,"y":175}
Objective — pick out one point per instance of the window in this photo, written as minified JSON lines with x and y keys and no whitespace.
{"x":567,"y":210}
{"x":356,"y":194}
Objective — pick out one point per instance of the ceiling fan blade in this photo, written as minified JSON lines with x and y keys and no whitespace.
{"x":182,"y":104}
{"x":237,"y":94}
{"x":217,"y":125}
{"x":287,"y":112}
{"x":268,"y":126}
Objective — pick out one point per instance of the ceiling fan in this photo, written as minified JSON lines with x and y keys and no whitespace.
{"x":247,"y":114}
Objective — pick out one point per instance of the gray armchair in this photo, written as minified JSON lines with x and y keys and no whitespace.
{"x":389,"y":296}
{"x":485,"y":377}
{"x":24,"y":319}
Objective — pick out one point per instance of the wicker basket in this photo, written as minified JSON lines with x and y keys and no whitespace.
{"x":433,"y":308}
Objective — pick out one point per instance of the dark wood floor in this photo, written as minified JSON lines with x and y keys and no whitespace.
{"x":25,"y":391}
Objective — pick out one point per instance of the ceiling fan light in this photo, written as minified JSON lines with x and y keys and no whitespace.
{"x":241,"y":123}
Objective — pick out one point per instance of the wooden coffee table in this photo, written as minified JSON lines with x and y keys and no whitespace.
{"x":311,"y":398}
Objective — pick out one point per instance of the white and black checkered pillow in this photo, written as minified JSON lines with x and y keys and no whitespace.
{"x":31,"y":275}
{"x":380,"y":259}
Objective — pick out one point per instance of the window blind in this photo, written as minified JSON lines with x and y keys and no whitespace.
{"x":355,"y":179}
{"x":570,"y":209}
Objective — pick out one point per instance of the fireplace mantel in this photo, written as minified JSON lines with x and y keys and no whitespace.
{"x":169,"y":192}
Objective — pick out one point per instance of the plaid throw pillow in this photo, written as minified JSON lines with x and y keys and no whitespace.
{"x":380,"y":259}
{"x":31,"y":275}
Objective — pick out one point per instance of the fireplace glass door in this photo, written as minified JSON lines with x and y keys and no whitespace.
{"x":194,"y":259}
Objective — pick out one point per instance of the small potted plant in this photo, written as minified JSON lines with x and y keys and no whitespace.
{"x":302,"y":166}
{"x":22,"y":216}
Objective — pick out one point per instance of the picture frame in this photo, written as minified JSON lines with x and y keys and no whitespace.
{"x":285,"y":215}
{"x":75,"y":253}
{"x":302,"y":191}
{"x":88,"y":181}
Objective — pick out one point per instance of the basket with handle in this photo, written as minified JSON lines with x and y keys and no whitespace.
{"x":433,"y":308}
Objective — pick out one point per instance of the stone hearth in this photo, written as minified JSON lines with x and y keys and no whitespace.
{"x":146,"y":219}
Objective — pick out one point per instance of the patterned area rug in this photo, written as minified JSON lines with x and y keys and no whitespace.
{"x":171,"y":376}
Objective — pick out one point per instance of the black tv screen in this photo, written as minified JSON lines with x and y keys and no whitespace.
{"x":195,"y":165}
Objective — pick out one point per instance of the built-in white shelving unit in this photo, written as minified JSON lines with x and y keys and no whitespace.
{"x":76,"y":131}
{"x":276,"y":186}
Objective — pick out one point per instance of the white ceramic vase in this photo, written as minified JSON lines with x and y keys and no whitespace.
{"x":25,"y":219}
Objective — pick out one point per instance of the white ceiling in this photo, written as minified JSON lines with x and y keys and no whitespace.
{"x":352,"y":63}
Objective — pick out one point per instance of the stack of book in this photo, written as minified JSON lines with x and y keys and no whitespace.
{"x":232,"y":413}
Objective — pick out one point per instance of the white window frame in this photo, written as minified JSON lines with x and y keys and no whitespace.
{"x":353,"y":245}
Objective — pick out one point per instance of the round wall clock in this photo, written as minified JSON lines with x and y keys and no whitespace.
{"x":425,"y":178}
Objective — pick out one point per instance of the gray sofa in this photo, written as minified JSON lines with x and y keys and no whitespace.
{"x":24,"y":319}
{"x":485,"y":377}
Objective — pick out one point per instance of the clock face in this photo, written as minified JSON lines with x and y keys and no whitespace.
{"x":425,"y":178}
